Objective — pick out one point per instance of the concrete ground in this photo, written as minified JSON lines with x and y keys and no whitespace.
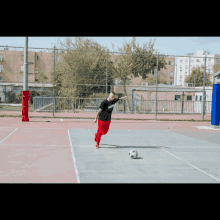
{"x":163,"y":156}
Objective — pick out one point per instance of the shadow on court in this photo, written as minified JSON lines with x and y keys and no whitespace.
{"x":111,"y":146}
{"x":118,"y":146}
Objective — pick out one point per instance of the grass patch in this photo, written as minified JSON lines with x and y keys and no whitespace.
{"x":14,"y":108}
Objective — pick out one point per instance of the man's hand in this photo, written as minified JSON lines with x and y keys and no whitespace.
{"x":95,"y":120}
{"x":124,"y":97}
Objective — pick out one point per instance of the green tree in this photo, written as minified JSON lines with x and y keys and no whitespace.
{"x":81,"y":67}
{"x":198,"y":74}
{"x":98,"y":75}
{"x":216,"y":67}
{"x":42,"y":79}
{"x":18,"y":97}
{"x":143,"y":62}
{"x":152,"y":80}
{"x":140,"y":63}
{"x":10,"y":96}
{"x":33,"y":94}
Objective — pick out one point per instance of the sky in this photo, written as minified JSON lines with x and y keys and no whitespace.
{"x":169,"y":45}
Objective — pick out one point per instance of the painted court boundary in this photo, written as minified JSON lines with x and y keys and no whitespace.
{"x":74,"y":160}
{"x":192,"y":166}
{"x":182,"y":160}
{"x":8,"y":135}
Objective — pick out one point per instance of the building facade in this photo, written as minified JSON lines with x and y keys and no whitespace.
{"x":12,"y":70}
{"x":185,"y":66}
{"x":12,"y":66}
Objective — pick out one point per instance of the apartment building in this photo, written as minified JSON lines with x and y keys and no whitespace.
{"x":12,"y":70}
{"x":169,"y":72}
{"x":12,"y":65}
{"x":190,"y":94}
{"x":186,"y":64}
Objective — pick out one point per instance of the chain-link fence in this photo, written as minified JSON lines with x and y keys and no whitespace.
{"x":76,"y":105}
{"x":153,"y":83}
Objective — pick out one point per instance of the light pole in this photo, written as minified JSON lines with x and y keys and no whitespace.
{"x":204,"y":93}
{"x":107,"y":75}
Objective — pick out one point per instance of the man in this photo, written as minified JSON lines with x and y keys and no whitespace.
{"x":104,"y":116}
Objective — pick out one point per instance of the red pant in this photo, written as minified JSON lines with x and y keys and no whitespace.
{"x":103,"y":127}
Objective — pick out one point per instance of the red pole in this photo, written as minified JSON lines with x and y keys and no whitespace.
{"x":25,"y":99}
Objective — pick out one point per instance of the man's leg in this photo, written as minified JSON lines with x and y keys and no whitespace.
{"x":106,"y":128}
{"x":103,"y":127}
{"x":99,"y":131}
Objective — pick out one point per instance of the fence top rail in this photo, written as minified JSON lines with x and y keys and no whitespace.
{"x":153,"y":100}
{"x":113,"y":52}
{"x":65,"y":97}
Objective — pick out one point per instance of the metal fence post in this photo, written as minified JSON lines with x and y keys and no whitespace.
{"x":106,"y":75}
{"x":135,"y":106}
{"x":183,"y":103}
{"x":53,"y":106}
{"x":156,"y":86}
{"x":73,"y":106}
{"x":204,"y":93}
{"x":34,"y":104}
{"x":174,"y":106}
{"x":193,"y":106}
{"x":132,"y":106}
{"x":54,"y":71}
{"x":132,"y":96}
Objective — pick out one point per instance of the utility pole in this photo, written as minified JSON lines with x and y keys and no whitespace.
{"x":107,"y":75}
{"x":204,"y":93}
{"x":54,"y":61}
{"x":156,"y":86}
{"x":54,"y":70}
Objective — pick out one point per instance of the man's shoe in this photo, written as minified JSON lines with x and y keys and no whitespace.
{"x":97,"y":146}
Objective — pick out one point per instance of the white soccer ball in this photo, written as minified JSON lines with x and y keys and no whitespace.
{"x":133,"y":154}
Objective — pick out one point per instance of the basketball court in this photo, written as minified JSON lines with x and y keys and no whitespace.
{"x":63,"y":151}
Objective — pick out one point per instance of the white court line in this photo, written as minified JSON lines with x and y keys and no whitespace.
{"x":90,"y":132}
{"x":7,"y":127}
{"x":35,"y":145}
{"x":39,"y":145}
{"x":206,"y":127}
{"x":61,"y":119}
{"x":74,"y":160}
{"x":8,"y":135}
{"x":194,"y":166}
{"x":44,"y":128}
